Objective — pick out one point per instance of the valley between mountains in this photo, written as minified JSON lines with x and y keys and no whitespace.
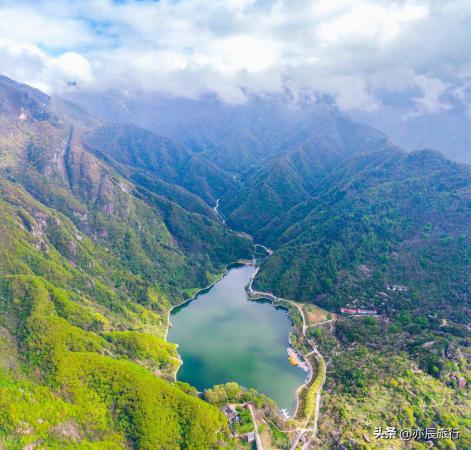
{"x":105,"y":225}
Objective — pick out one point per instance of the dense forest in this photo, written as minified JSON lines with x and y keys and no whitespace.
{"x":105,"y":226}
{"x":90,"y":264}
{"x":379,"y":220}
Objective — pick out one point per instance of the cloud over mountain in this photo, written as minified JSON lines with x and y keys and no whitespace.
{"x":358,"y":52}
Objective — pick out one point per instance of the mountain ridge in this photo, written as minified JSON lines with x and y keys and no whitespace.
{"x":105,"y":226}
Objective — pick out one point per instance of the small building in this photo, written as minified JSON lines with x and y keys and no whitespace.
{"x":250,"y":436}
{"x":231,"y":413}
{"x":367,"y":312}
{"x":348,"y":311}
{"x":396,"y":288}
{"x":284,"y":413}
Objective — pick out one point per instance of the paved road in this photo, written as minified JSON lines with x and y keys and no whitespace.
{"x":305,"y":429}
{"x":258,"y":441}
{"x":268,"y":250}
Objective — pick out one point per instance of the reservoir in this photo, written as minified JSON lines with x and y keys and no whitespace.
{"x":223,"y":337}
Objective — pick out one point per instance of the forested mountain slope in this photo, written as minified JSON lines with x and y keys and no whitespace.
{"x":90,"y":263}
{"x":286,"y":180}
{"x":104,"y":226}
{"x":150,"y":154}
{"x":235,"y":137}
{"x":330,"y":196}
{"x":239,"y":137}
{"x":277,"y":148}
{"x":380,"y":218}
{"x":65,"y":359}
{"x":153,"y":234}
{"x":387,"y":233}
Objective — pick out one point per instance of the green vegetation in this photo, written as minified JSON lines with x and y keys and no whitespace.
{"x":148,"y":350}
{"x":279,"y":438}
{"x":375,"y":379}
{"x":104,"y":227}
{"x":309,"y":393}
{"x":90,"y":264}
{"x":160,"y":165}
{"x":70,"y":361}
{"x":233,"y":393}
{"x":287,"y":172}
{"x":245,"y":423}
{"x":386,"y":231}
{"x":363,"y":233}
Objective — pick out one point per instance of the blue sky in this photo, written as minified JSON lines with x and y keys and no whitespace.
{"x":358,"y":52}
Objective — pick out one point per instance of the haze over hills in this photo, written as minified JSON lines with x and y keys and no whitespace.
{"x":235,"y":137}
{"x":312,"y":156}
{"x":105,"y":225}
{"x":447,"y":130}
{"x":260,"y":123}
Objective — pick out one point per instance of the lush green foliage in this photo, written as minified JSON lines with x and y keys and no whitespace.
{"x":154,"y":156}
{"x":374,"y":379}
{"x":90,"y":264}
{"x":233,"y":393}
{"x":290,"y":177}
{"x":379,"y":219}
{"x":150,"y":350}
{"x":245,"y":423}
{"x":310,"y":392}
{"x":147,"y":411}
{"x":104,"y":227}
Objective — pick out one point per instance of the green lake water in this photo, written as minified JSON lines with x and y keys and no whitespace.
{"x":223,"y":337}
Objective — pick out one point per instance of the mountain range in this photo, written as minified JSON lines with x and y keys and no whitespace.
{"x":326,"y":193}
{"x":90,"y":265}
{"x":107,"y":220}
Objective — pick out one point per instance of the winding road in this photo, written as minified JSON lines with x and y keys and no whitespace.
{"x":300,"y":431}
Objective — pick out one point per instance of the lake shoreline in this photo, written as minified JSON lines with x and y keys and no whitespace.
{"x":227,"y":337}
{"x":200,"y":291}
{"x":251,"y":296}
{"x":195,"y":296}
{"x":253,"y":267}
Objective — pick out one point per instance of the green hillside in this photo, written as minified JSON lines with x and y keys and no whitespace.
{"x":140,"y":149}
{"x":302,"y":157}
{"x":65,"y":363}
{"x":389,"y":232}
{"x":90,"y":264}
{"x":104,"y":227}
{"x":380,"y":219}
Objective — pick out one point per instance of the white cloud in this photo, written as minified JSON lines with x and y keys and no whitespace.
{"x":22,"y":24}
{"x":69,"y":66}
{"x":371,"y":22}
{"x":432,"y":91}
{"x":355,"y":51}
